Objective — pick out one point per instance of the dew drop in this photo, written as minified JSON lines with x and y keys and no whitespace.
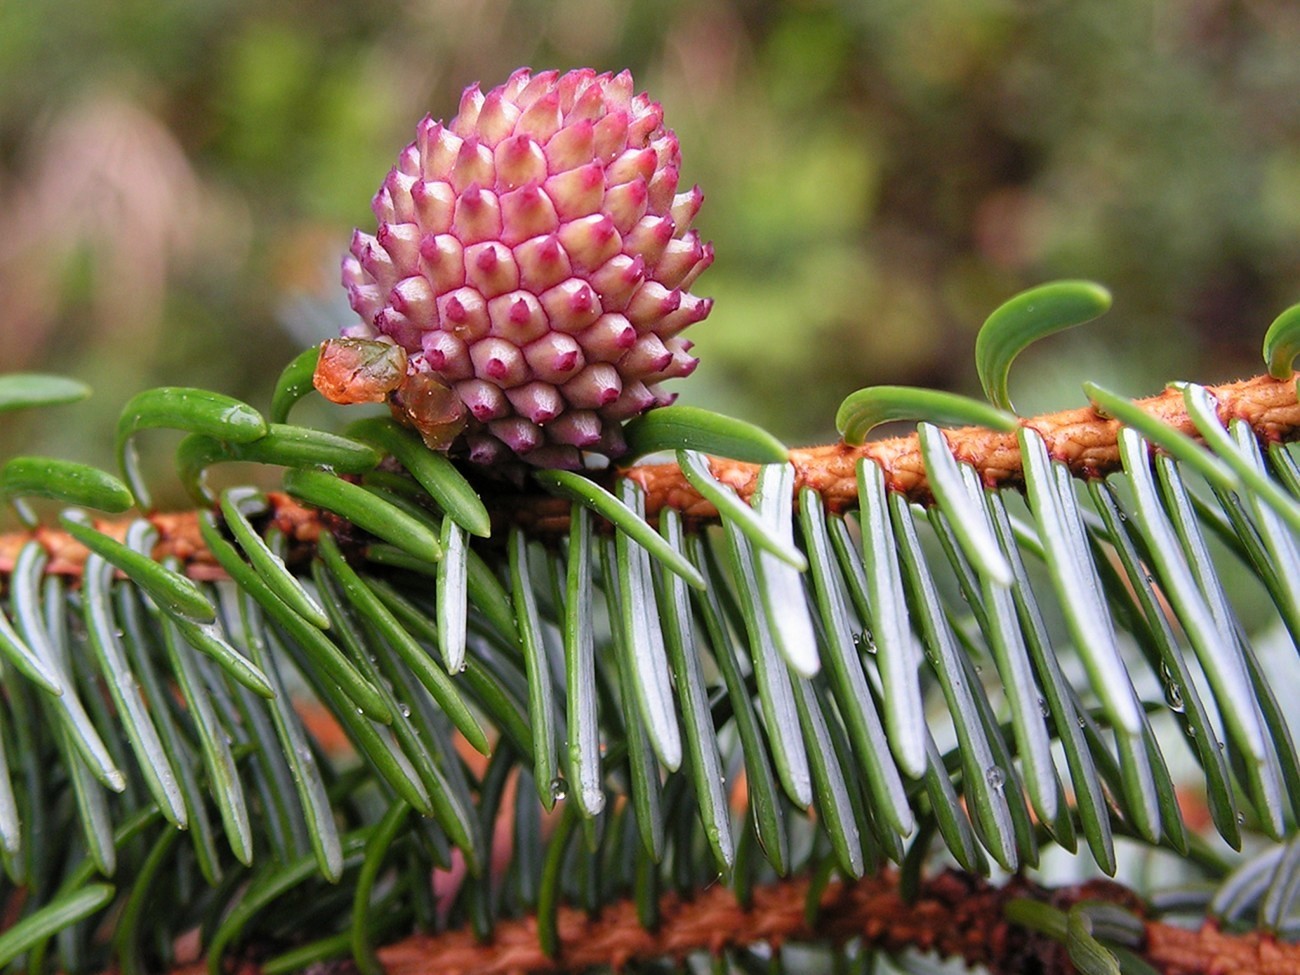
{"x":1174,"y":697}
{"x":559,"y":788}
{"x":405,"y":709}
{"x":996,"y":777}
{"x":1043,"y":708}
{"x":1241,"y":818}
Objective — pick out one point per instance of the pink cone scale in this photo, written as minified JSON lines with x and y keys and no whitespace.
{"x":533,"y":255}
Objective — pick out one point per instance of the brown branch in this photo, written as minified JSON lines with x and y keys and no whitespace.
{"x":953,"y":916}
{"x":178,"y":537}
{"x":1081,"y":438}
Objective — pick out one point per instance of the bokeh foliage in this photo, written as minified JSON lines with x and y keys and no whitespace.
{"x":177,"y":180}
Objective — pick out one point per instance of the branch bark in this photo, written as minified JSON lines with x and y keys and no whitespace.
{"x":1081,"y":438}
{"x":953,"y":916}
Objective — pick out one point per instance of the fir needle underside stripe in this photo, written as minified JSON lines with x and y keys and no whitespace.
{"x":1177,"y":443}
{"x":988,"y":805}
{"x":780,"y":585}
{"x":775,"y":693}
{"x":25,"y":601}
{"x":701,"y":739}
{"x":1214,"y":647}
{"x":426,"y":671}
{"x":1077,"y":589}
{"x":541,"y":703}
{"x":764,"y":802}
{"x":452,"y":594}
{"x":575,"y":487}
{"x":1200,"y":407}
{"x":845,"y":675}
{"x":1022,"y":694}
{"x":322,"y":831}
{"x":963,"y":513}
{"x":580,"y":667}
{"x":105,"y":643}
{"x":214,"y":745}
{"x":733,"y":510}
{"x":643,"y":768}
{"x":315,"y":644}
{"x":639,"y":615}
{"x":25,"y":660}
{"x":890,"y":624}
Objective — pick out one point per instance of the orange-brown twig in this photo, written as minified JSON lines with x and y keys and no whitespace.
{"x":953,"y":916}
{"x":1080,"y":438}
{"x":178,"y":537}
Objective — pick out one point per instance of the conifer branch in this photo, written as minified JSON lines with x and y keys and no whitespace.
{"x":178,"y":538}
{"x":954,"y":915}
{"x":1083,"y":439}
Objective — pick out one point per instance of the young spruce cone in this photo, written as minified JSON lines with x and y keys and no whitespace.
{"x":532,"y":261}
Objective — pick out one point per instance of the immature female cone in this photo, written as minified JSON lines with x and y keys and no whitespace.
{"x":531,"y":266}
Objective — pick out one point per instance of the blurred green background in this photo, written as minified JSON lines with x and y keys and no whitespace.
{"x":178,"y":181}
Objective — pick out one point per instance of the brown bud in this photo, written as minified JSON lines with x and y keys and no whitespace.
{"x":432,"y":407}
{"x":358,"y":370}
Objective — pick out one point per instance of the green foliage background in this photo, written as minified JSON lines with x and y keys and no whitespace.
{"x":178,"y":179}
